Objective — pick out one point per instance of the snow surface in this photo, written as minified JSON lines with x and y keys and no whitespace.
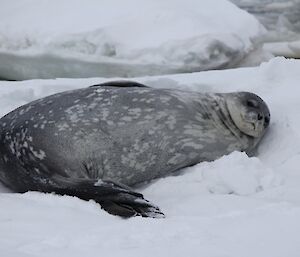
{"x":109,"y":38}
{"x":232,"y":207}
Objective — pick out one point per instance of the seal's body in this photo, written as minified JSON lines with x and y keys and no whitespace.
{"x":92,"y":142}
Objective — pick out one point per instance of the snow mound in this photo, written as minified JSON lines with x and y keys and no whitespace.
{"x":237,"y":174}
{"x":121,"y":38}
{"x":287,"y":49}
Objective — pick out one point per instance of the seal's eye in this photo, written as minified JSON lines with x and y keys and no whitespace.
{"x":252,"y":103}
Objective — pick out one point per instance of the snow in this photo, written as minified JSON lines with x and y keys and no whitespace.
{"x":281,"y":18}
{"x":234,"y":206}
{"x":109,"y":38}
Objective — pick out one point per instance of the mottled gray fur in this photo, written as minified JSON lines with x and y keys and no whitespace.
{"x":124,"y":134}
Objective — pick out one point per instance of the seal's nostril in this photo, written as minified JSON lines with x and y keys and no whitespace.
{"x":267,"y":120}
{"x":259,"y":116}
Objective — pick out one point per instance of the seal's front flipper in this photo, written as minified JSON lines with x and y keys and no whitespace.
{"x":116,"y":199}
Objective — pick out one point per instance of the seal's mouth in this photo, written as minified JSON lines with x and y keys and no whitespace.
{"x":251,"y":127}
{"x":255,"y":123}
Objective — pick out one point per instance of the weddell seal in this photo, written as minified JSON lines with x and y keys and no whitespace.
{"x":97,"y":142}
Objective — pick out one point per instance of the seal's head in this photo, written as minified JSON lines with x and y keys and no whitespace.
{"x":249,"y":113}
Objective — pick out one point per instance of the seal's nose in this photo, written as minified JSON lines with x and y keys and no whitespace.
{"x":267,"y":121}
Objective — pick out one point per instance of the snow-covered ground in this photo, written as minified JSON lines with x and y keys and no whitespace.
{"x":108,"y":38}
{"x":232,"y":207}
